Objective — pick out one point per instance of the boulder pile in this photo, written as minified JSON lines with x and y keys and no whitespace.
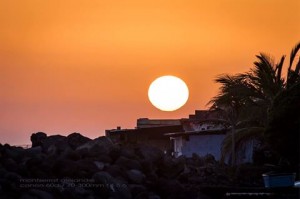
{"x":75,"y":166}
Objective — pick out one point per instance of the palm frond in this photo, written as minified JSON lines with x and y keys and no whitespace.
{"x":293,"y":55}
{"x":278,"y":70}
{"x":264,"y":75}
{"x":297,"y":69}
{"x":293,"y":76}
{"x":242,"y":137}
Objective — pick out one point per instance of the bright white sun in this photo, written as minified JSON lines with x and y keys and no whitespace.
{"x":168,"y":93}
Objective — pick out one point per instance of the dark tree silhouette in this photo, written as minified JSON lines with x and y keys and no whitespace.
{"x":247,"y":98}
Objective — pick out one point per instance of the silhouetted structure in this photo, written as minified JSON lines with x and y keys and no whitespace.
{"x":153,"y":136}
{"x":146,"y":123}
{"x":202,"y":133}
{"x":205,"y":115}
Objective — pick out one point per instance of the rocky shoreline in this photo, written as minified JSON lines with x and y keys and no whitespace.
{"x":75,"y":166}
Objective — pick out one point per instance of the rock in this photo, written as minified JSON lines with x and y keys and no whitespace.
{"x":171,"y":168}
{"x":37,"y":138}
{"x":196,"y":160}
{"x":65,"y":168}
{"x":10,"y":164}
{"x":54,"y":144}
{"x":151,"y":178}
{"x":169,"y":188}
{"x":203,"y":196}
{"x":116,"y":171}
{"x":103,"y":179}
{"x":33,"y":151}
{"x":209,"y":159}
{"x":26,"y":196}
{"x":114,"y":153}
{"x":98,"y":146}
{"x":76,"y":139}
{"x":197,"y":180}
{"x":7,"y":196}
{"x":11,"y":152}
{"x":103,"y":158}
{"x":150,"y":153}
{"x":99,"y":165}
{"x":116,"y":188}
{"x":35,"y":193}
{"x":138,"y":191}
{"x":83,"y":152}
{"x":70,"y":154}
{"x":34,"y":161}
{"x":3,"y":171}
{"x":135,"y":176}
{"x":153,"y":196}
{"x":148,"y":167}
{"x":35,"y":167}
{"x":12,"y":177}
{"x":9,"y":184}
{"x":128,"y":152}
{"x":78,"y":193}
{"x":209,"y":170}
{"x":128,"y":163}
{"x":95,"y":154}
{"x":119,"y":171}
{"x":86,"y":166}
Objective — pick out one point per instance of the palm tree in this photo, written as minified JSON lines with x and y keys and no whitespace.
{"x":233,"y":101}
{"x":283,"y":129}
{"x":246,"y":98}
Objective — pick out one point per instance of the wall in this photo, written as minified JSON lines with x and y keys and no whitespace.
{"x":201,"y":144}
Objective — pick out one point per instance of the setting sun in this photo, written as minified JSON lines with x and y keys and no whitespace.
{"x":168,"y":93}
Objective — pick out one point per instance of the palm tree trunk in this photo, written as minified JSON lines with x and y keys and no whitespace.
{"x":233,"y":158}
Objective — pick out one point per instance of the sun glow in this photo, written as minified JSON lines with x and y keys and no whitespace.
{"x":168,"y":93}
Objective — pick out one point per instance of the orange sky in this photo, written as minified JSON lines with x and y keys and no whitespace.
{"x":85,"y":66}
